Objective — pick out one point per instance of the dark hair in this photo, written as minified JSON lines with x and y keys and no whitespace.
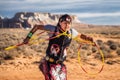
{"x":64,"y":17}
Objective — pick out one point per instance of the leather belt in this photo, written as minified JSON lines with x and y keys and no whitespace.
{"x":49,"y":59}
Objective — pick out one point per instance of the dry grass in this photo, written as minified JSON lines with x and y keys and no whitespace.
{"x":106,"y":37}
{"x":25,"y":56}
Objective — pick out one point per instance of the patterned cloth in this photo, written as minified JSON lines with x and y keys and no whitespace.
{"x":53,"y":71}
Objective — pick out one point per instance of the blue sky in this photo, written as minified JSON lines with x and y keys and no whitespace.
{"x":88,"y":11}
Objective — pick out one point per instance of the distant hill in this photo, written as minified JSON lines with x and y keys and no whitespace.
{"x":29,"y":19}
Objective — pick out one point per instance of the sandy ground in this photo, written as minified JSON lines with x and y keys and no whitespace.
{"x":27,"y":69}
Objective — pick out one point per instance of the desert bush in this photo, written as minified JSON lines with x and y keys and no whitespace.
{"x":8,"y":57}
{"x":2,"y":45}
{"x":114,"y":33}
{"x":99,"y":42}
{"x":11,"y":54}
{"x":85,"y":47}
{"x":118,"y":45}
{"x":113,"y":46}
{"x":98,"y":56}
{"x":118,"y":51}
{"x":2,"y":55}
{"x":73,"y":49}
{"x":106,"y":53}
{"x":2,"y":61}
{"x":94,"y":49}
{"x":103,"y":47}
{"x":110,"y":62}
{"x":109,"y":42}
{"x":104,"y":33}
{"x":83,"y":55}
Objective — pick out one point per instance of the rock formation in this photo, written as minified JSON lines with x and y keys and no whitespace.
{"x":29,"y":19}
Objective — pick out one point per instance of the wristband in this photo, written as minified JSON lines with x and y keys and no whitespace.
{"x":30,"y":35}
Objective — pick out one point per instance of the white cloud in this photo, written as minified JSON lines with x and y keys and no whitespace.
{"x":59,"y":6}
{"x":88,"y":15}
{"x":49,"y":4}
{"x":92,"y":15}
{"x":33,"y":1}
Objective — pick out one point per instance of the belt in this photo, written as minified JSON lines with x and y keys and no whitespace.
{"x":49,"y":59}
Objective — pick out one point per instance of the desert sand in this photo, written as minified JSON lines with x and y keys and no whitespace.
{"x":26,"y":67}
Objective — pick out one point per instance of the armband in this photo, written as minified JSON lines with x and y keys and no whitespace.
{"x":30,"y":35}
